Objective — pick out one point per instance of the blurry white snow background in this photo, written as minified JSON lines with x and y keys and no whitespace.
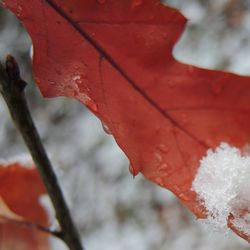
{"x":113,"y":211}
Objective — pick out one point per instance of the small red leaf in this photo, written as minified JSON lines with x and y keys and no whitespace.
{"x":20,"y":189}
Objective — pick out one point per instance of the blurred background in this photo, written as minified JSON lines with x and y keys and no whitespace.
{"x":113,"y":211}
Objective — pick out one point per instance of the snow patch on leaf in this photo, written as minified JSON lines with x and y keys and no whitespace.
{"x":222,"y":185}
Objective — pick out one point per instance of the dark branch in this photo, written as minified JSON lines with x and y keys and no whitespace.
{"x":12,"y":89}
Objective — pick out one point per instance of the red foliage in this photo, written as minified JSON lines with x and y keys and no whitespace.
{"x":20,"y":189}
{"x":115,"y":56}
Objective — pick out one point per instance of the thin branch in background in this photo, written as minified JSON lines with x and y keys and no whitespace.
{"x":12,"y":89}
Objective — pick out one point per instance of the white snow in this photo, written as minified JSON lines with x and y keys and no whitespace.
{"x":222,"y":185}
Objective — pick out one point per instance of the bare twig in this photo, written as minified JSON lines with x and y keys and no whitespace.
{"x":12,"y":89}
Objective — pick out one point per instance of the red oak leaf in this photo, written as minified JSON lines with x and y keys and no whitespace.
{"x":20,"y":211}
{"x":115,"y":56}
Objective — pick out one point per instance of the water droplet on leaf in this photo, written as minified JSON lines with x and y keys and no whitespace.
{"x":163,"y":170}
{"x":77,"y":79}
{"x":87,"y":101}
{"x":163,"y":148}
{"x":106,"y":128}
{"x":51,"y":82}
{"x":157,"y":159}
{"x":176,"y":188}
{"x":19,"y":10}
{"x":159,"y":181}
{"x":184,"y":197}
{"x":133,"y":170}
{"x":70,"y":90}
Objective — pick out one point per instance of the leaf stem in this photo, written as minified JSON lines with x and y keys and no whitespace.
{"x":29,"y":224}
{"x":12,"y":89}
